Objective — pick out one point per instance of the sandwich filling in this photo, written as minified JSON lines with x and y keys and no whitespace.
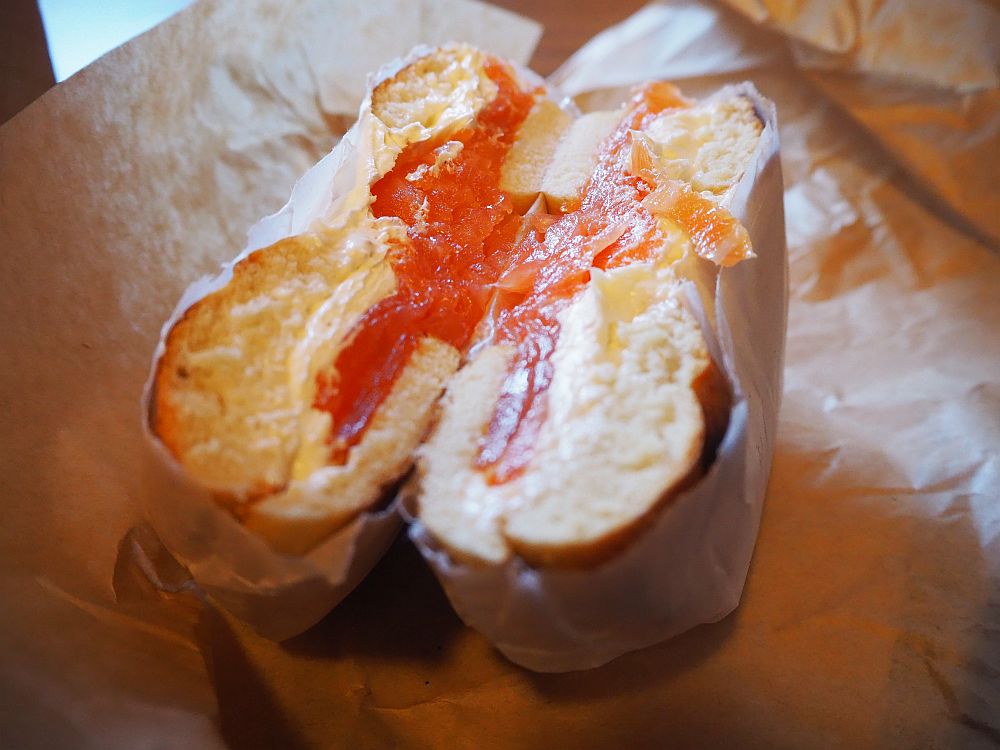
{"x":300,"y":387}
{"x":472,"y":269}
{"x":460,"y":229}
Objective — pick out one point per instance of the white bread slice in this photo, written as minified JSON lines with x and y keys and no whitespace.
{"x":323,"y":500}
{"x":575,"y":158}
{"x":525,"y":166}
{"x":635,"y":406}
{"x":234,"y":387}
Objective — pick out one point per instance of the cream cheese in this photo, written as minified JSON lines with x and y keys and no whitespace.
{"x":447,"y":100}
{"x":616,"y":383}
{"x":702,"y":145}
{"x":442,"y":155}
{"x":323,"y":334}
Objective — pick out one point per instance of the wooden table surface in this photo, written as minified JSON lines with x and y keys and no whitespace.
{"x":25,"y":70}
{"x":568,"y":24}
{"x":26,"y":73}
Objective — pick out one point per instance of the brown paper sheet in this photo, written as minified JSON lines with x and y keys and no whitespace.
{"x":117,"y":189}
{"x":871,"y":617}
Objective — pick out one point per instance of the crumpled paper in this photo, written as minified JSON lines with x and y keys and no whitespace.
{"x":871,"y":613}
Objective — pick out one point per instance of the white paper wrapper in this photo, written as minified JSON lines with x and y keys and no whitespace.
{"x":690,"y":566}
{"x":278,"y":595}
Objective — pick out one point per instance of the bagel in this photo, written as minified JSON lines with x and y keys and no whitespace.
{"x":524,"y":260}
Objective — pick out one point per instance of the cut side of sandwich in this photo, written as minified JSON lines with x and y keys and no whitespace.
{"x":593,"y":400}
{"x":526,"y":263}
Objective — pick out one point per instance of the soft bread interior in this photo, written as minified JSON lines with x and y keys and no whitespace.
{"x":635,"y":399}
{"x":624,"y":424}
{"x":537,"y":140}
{"x":434,"y":95}
{"x":707,"y":145}
{"x":324,"y":499}
{"x":228,"y":401}
{"x":575,"y":158}
{"x":234,"y":389}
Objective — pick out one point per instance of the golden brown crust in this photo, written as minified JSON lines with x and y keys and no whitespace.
{"x":207,"y":323}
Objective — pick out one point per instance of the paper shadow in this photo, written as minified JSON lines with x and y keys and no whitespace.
{"x":250,"y":716}
{"x":399,"y":611}
{"x":952,"y":644}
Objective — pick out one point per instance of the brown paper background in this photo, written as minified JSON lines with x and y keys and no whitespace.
{"x":117,"y":189}
{"x":871,"y":617}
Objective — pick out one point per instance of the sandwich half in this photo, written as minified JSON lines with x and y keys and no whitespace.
{"x":592,"y":399}
{"x":299,"y":388}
